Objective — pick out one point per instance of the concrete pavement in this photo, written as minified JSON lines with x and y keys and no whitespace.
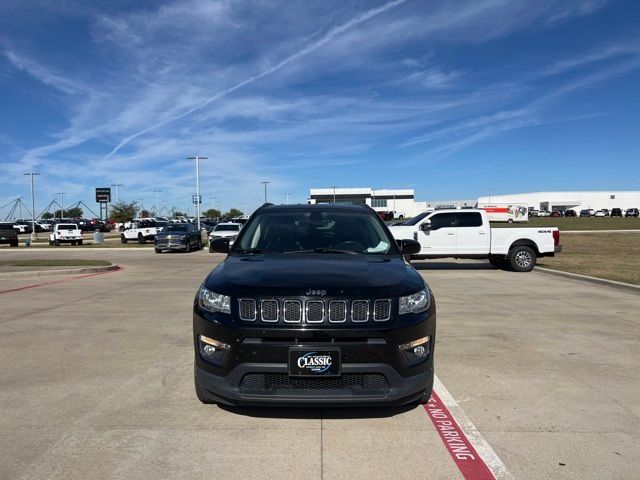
{"x":97,"y":382}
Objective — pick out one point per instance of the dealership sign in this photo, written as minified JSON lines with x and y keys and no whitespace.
{"x":103,"y":195}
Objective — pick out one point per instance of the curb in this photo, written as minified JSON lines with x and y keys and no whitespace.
{"x":53,"y":273}
{"x":589,"y":279}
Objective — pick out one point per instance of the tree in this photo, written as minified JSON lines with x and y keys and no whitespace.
{"x":212,"y":213}
{"x":75,"y":212}
{"x":123,"y":211}
{"x":179,"y":214}
{"x":234,"y":212}
{"x":47,"y":216}
{"x":145,"y":213}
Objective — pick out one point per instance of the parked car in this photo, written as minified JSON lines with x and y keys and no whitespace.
{"x":22,"y":227}
{"x":556,"y":213}
{"x":8,"y":234}
{"x":600,"y":213}
{"x":606,"y":212}
{"x":585,"y":213}
{"x":335,"y":315}
{"x":228,"y":230}
{"x":468,"y":234}
{"x":65,"y":233}
{"x":616,"y":212}
{"x":544,"y":213}
{"x":534,"y":213}
{"x":632,"y":212}
{"x":178,"y":236}
{"x":570,"y":213}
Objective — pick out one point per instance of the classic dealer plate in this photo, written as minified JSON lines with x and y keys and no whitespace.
{"x":314,"y":362}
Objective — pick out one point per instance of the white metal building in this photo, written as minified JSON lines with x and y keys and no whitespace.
{"x":400,"y":201}
{"x":568,"y":200}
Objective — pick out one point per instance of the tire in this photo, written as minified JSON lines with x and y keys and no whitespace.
{"x":79,"y":242}
{"x":158,"y":250}
{"x":73,"y":243}
{"x":202,"y":394}
{"x":141,"y":239}
{"x":123,"y":239}
{"x":510,"y":220}
{"x":15,"y":244}
{"x":51,"y":243}
{"x":199,"y":245}
{"x":56,"y":242}
{"x":187,"y":249}
{"x":522,"y":259}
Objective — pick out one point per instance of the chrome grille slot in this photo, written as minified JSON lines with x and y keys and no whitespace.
{"x":337,"y":311}
{"x":315,"y":311}
{"x":292,"y":311}
{"x":381,"y":310}
{"x":359,"y":310}
{"x":247,"y":309}
{"x":269,"y":310}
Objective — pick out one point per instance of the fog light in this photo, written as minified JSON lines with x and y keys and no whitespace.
{"x":420,"y":351}
{"x":209,"y":349}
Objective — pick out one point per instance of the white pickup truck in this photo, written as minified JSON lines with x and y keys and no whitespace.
{"x":65,"y":233}
{"x":468,"y":234}
{"x":142,"y":230}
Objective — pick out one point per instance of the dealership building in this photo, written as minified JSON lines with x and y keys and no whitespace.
{"x":404,"y":204}
{"x":568,"y":200}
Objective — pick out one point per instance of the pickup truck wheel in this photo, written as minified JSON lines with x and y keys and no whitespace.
{"x":56,"y":242}
{"x":522,"y":259}
{"x":79,"y":242}
{"x":141,"y":239}
{"x":123,"y":239}
{"x":50,"y":243}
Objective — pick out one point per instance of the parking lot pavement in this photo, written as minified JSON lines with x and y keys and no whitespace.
{"x":97,"y":382}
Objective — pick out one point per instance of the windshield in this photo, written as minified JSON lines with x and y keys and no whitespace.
{"x":417,"y":218}
{"x":226,"y":228}
{"x":322,"y":231}
{"x":175,"y":228}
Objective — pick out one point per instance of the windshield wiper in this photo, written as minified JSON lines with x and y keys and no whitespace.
{"x":253,"y":250}
{"x":324,"y":250}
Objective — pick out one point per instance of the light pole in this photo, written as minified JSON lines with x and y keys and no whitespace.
{"x":265,"y":190}
{"x":33,"y":206}
{"x":197,"y":158}
{"x":489,"y":194}
{"x":157,"y":192}
{"x":117,"y":191}
{"x":334,"y":194}
{"x":62,"y":194}
{"x":287,"y":195}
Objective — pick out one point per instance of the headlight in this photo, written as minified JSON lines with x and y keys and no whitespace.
{"x":416,"y":302}
{"x":213,"y":302}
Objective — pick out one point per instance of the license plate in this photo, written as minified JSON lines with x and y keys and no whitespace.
{"x":314,"y":362}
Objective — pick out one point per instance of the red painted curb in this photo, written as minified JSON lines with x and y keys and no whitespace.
{"x":470,"y":464}
{"x":53,"y":282}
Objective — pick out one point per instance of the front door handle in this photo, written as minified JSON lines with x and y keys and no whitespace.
{"x":450,"y":233}
{"x":482,"y":233}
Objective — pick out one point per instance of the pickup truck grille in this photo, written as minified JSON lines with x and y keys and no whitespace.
{"x":314,"y":311}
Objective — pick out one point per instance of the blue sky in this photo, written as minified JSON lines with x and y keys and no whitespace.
{"x":451,"y":98}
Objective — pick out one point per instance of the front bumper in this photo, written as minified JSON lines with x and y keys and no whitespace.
{"x":170,"y":244}
{"x":366,"y":352}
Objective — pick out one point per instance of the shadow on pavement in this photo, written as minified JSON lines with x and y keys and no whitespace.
{"x":430,"y":265}
{"x":317,"y":412}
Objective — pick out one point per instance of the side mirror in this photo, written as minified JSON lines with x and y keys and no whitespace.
{"x":409,"y":247}
{"x":220,"y":245}
{"x":426,"y":226}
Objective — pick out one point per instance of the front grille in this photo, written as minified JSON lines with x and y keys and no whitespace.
{"x":337,"y":311}
{"x":247,"y":307}
{"x":293,"y":311}
{"x":269,"y":310}
{"x":314,"y":310}
{"x":381,"y":310}
{"x":364,"y":383}
{"x":360,"y":310}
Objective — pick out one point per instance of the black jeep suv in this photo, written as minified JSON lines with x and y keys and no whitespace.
{"x":314,"y":305}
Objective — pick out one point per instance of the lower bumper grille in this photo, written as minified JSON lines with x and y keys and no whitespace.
{"x":358,"y":383}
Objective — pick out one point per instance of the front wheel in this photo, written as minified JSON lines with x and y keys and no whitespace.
{"x":187,"y":249}
{"x":123,"y":239}
{"x":79,"y":242}
{"x":199,"y":244}
{"x":158,"y":250}
{"x":56,"y":242}
{"x":15,"y":244}
{"x":522,"y":259}
{"x":141,"y":239}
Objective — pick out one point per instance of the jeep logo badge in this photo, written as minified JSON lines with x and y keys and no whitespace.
{"x":320,"y":293}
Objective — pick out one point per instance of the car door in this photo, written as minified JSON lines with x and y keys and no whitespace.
{"x":472,"y":236}
{"x":437,"y":234}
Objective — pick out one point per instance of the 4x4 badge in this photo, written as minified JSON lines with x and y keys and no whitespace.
{"x":320,"y":293}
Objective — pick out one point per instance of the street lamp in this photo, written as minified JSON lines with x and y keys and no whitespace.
{"x":334,"y":194}
{"x":265,"y":190}
{"x":287,"y":195}
{"x":197,"y":158}
{"x":117,"y":191}
{"x":33,"y":206}
{"x":62,"y":194}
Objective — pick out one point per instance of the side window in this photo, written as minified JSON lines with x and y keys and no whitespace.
{"x":470,"y":219}
{"x":443,"y":220}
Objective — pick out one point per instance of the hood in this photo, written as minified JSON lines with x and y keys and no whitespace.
{"x":294,"y":274}
{"x":163,"y":234}
{"x":224,"y":233}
